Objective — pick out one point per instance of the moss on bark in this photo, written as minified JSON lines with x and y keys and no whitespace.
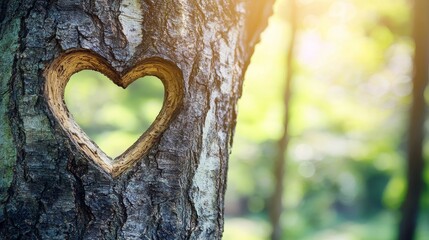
{"x":8,"y":48}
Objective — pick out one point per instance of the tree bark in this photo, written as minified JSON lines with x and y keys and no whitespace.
{"x":415,"y":160}
{"x":50,"y":189}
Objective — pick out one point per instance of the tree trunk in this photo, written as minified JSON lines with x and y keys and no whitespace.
{"x":415,"y":160}
{"x":50,"y":188}
{"x":280,"y":163}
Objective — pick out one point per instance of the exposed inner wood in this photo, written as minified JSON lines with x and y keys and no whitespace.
{"x":58,"y":74}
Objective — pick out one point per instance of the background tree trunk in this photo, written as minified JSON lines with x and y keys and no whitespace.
{"x":280,"y":162}
{"x":50,"y":190}
{"x":415,"y":160}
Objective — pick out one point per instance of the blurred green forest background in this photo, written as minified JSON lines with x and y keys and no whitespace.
{"x":345,"y":175}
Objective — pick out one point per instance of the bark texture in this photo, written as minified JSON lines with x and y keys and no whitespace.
{"x":49,"y":189}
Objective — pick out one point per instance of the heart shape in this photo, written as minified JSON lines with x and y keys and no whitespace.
{"x":58,"y":74}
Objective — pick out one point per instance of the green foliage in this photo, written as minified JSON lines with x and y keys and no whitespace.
{"x":111,"y":116}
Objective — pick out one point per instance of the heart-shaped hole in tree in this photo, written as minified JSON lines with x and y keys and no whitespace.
{"x":57,"y":76}
{"x":113,"y":117}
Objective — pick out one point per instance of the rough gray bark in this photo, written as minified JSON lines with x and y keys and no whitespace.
{"x":50,"y":190}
